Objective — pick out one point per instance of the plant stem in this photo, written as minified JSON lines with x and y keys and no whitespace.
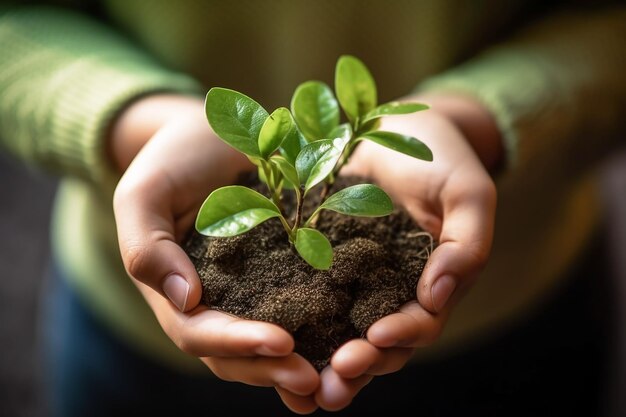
{"x":326,"y":191}
{"x":299,"y":204}
{"x":274,"y":193}
{"x":345,"y":157}
{"x":312,"y":221}
{"x":328,"y":185}
{"x":290,"y":231}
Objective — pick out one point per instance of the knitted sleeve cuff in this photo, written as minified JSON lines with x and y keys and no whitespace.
{"x":495,"y":80}
{"x":93,"y":95}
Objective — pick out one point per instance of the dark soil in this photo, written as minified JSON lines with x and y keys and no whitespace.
{"x":260,"y":276}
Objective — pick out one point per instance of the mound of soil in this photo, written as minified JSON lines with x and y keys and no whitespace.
{"x":259,"y":275}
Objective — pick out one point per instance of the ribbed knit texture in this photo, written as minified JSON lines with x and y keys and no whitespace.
{"x":558,"y":87}
{"x":63,"y":77}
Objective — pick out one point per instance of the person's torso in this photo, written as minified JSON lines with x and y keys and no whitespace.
{"x":266,"y":48}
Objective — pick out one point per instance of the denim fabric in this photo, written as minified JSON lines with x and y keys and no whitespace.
{"x":89,"y":372}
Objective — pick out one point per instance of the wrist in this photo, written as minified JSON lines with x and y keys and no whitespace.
{"x":474,"y":121}
{"x":139,"y":121}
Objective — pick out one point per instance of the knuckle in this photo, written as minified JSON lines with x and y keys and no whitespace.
{"x":121,"y":194}
{"x":431,"y":333}
{"x":184,"y":340}
{"x":220,"y":371}
{"x":478,"y":255}
{"x":136,"y":261}
{"x":183,"y":344}
{"x":489,"y":185}
{"x":483,"y":191}
{"x":488,"y":191}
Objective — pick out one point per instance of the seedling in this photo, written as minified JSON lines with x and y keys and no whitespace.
{"x":296,"y":150}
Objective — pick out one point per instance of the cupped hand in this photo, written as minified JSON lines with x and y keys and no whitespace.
{"x":179,"y":161}
{"x":453,"y":198}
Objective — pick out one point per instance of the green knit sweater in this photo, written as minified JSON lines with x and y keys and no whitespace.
{"x":553,"y":81}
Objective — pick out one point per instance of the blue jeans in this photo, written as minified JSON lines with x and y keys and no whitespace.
{"x":533,"y":369}
{"x":90,"y":372}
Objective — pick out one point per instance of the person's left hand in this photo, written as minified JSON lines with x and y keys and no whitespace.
{"x":454,"y":199}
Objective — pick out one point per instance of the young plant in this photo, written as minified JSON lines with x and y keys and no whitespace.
{"x":302,"y":148}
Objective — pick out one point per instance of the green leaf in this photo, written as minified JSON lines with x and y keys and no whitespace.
{"x":276,"y":127}
{"x":235,"y":118}
{"x":317,"y":160}
{"x":293,"y":143}
{"x":355,"y":87}
{"x":288,"y":170}
{"x":232,"y":210}
{"x":315,"y":109}
{"x":314,"y":248}
{"x":343,"y":132}
{"x":406,"y":144}
{"x":360,"y":200}
{"x":392,"y":108}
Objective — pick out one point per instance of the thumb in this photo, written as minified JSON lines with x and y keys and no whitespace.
{"x":146,"y":236}
{"x":465,"y":243}
{"x":163,"y":265}
{"x":450,"y":269}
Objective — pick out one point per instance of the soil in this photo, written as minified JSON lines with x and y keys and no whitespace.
{"x":259,"y":275}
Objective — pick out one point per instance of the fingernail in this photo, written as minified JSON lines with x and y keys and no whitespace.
{"x":177,"y":290}
{"x":441,"y":291}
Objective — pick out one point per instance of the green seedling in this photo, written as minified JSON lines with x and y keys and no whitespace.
{"x":300,"y":148}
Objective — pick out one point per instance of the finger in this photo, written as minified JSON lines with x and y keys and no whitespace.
{"x":464,"y":245}
{"x":390,"y":361}
{"x":205,"y":332}
{"x":147,"y":242}
{"x":336,"y":392}
{"x":359,"y":357}
{"x":354,"y":358}
{"x":297,"y":403}
{"x":212,"y":333}
{"x":292,"y":373}
{"x":412,"y":326}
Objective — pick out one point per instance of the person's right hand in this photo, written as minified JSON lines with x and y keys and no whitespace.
{"x":453,"y":198}
{"x":171,"y":161}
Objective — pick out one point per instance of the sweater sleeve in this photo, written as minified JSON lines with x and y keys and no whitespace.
{"x":63,"y":78}
{"x":558,"y":86}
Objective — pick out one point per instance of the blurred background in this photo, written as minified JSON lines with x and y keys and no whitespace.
{"x":24,"y":250}
{"x":26,"y":199}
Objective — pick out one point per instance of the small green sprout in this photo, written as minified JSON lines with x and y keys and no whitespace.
{"x":299,"y":148}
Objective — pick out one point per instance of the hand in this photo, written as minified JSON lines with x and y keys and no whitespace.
{"x":178,"y":161}
{"x":454,"y":199}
